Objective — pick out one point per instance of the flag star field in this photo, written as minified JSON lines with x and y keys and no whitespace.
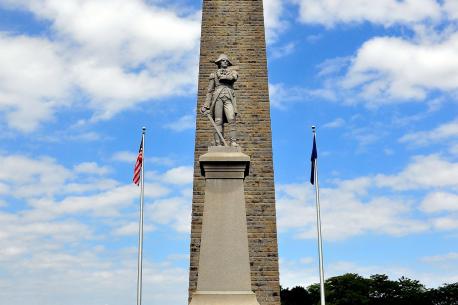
{"x":80,"y":78}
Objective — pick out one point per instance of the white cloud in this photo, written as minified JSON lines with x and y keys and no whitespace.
{"x":28,"y":177}
{"x":43,"y":178}
{"x":179,"y":175}
{"x":402,"y":120}
{"x":275,"y":24}
{"x":62,"y":231}
{"x":132,"y":229}
{"x":109,"y":276}
{"x":452,"y":256}
{"x":333,"y":65}
{"x":52,"y":191}
{"x":388,"y":152}
{"x":384,"y":12}
{"x":431,"y":278}
{"x":3,"y":188}
{"x":164,"y":161}
{"x":34,"y":81}
{"x":313,"y":38}
{"x":391,"y":69}
{"x":57,"y":238}
{"x":175,"y":211}
{"x":125,"y":156}
{"x":424,"y":172}
{"x":387,"y":70}
{"x":114,"y":58}
{"x":185,"y":122}
{"x":295,"y":273}
{"x":69,"y":135}
{"x":440,"y":201}
{"x":353,"y":207}
{"x":91,"y":168}
{"x":454,"y":149}
{"x":108,"y":203}
{"x":281,"y":95}
{"x":131,"y":157}
{"x":91,"y":185}
{"x":338,"y":122}
{"x":365,"y":136}
{"x":446,"y":223}
{"x":441,"y":133}
{"x":282,"y":51}
{"x":383,"y":215}
{"x":123,"y":32}
{"x":451,"y":8}
{"x":33,"y":229}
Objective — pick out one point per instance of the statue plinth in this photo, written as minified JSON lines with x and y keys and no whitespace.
{"x":224,"y":265}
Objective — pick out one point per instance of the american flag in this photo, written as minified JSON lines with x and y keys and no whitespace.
{"x":138,"y":165}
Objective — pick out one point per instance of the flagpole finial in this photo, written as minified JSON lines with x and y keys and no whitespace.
{"x":144,"y":129}
{"x":313,"y":129}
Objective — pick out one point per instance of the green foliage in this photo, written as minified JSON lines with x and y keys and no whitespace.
{"x":382,"y":290}
{"x":347,"y":289}
{"x":445,"y":295}
{"x":411,"y":292}
{"x":353,"y":289}
{"x":295,"y":296}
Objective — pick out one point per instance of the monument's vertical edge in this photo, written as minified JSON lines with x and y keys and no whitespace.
{"x":236,"y":27}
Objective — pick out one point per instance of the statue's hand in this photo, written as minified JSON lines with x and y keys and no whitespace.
{"x":204,"y":110}
{"x":222,"y":73}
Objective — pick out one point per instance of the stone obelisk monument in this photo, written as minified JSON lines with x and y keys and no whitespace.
{"x":236,"y":28}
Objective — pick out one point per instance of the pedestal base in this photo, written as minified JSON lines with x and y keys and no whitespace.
{"x":224,"y":265}
{"x":224,"y":298}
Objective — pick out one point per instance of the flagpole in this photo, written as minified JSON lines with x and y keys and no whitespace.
{"x":140,"y":234}
{"x":318,"y":221}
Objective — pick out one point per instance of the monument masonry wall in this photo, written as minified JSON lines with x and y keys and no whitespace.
{"x":236,"y":28}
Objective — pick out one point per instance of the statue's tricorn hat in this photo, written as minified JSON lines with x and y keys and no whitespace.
{"x":222,"y":57}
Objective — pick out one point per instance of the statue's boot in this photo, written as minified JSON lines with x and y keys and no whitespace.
{"x":233,"y":134}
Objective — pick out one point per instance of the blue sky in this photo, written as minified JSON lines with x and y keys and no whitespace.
{"x":79,"y":78}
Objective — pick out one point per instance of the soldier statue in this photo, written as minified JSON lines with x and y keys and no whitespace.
{"x":221,"y":103}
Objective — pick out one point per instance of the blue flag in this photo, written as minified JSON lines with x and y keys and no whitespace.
{"x":313,"y":159}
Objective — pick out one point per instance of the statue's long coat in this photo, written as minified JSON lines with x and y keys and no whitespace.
{"x":215,"y":87}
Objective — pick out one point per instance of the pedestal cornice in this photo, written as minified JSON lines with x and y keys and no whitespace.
{"x":224,"y":163}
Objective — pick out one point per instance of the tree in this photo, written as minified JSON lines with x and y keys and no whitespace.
{"x":411,"y":292}
{"x":314,"y":292}
{"x":296,"y":296}
{"x":352,"y":289}
{"x":382,"y":291}
{"x":347,"y":289}
{"x":445,"y":295}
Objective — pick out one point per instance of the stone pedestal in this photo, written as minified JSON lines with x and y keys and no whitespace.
{"x":224,"y":265}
